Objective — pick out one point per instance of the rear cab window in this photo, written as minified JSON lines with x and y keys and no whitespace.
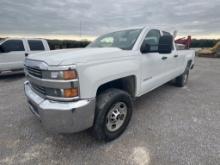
{"x":36,"y":45}
{"x":12,"y":45}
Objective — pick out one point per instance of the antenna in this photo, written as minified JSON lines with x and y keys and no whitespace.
{"x":175,"y":34}
{"x":80,"y":29}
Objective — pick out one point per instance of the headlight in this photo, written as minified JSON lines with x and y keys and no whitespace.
{"x":71,"y":92}
{"x":61,"y":75}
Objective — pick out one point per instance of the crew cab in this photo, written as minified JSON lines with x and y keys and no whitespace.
{"x":14,"y":50}
{"x":94,"y":87}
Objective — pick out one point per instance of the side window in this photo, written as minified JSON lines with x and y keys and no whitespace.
{"x":35,"y":45}
{"x":152,"y":39}
{"x":12,"y":45}
{"x":107,"y":42}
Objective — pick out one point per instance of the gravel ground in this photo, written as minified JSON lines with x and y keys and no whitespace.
{"x":170,"y":125}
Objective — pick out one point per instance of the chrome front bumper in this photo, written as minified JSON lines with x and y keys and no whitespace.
{"x":61,"y":117}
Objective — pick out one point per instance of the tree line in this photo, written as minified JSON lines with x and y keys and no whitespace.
{"x":63,"y":44}
{"x":203,"y":43}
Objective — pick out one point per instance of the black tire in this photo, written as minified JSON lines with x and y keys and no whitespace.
{"x":182,"y":80}
{"x":105,"y":102}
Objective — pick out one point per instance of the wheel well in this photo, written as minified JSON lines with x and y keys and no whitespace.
{"x":189,"y":64}
{"x":127,"y":84}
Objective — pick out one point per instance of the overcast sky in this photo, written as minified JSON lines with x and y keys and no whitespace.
{"x":61,"y":18}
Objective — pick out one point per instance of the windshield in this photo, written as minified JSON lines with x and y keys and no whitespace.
{"x":121,"y":39}
{"x":2,"y":40}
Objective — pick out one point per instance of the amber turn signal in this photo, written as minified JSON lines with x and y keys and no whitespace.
{"x":71,"y":92}
{"x":69,"y":75}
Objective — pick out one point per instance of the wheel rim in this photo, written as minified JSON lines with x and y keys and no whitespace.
{"x":116,"y":116}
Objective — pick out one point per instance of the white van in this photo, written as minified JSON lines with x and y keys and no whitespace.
{"x":14,"y":50}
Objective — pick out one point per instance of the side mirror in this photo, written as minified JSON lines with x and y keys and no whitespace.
{"x":145,"y":48}
{"x":165,"y":44}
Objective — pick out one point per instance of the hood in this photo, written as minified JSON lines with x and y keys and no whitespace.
{"x":73,"y":56}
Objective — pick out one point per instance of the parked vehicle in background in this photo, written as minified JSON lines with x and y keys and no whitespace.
{"x":186,"y":42}
{"x":14,"y":50}
{"x":72,"y":90}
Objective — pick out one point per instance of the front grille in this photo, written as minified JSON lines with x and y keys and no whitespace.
{"x":34,"y":71}
{"x":39,"y":89}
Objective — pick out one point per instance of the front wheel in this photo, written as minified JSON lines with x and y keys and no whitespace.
{"x":113,"y":113}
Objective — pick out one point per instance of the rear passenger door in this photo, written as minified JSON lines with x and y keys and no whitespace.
{"x":12,"y":55}
{"x":176,"y":61}
{"x":35,"y":46}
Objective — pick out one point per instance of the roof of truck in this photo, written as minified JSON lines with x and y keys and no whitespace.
{"x":141,"y":27}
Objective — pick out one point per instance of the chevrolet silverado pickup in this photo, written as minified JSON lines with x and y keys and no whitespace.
{"x":94,"y":87}
{"x":14,"y":50}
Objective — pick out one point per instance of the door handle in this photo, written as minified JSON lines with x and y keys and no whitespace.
{"x":175,"y":56}
{"x":26,"y":54}
{"x":164,"y":58}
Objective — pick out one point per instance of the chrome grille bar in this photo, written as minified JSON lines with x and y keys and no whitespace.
{"x":34,"y":71}
{"x":39,"y":89}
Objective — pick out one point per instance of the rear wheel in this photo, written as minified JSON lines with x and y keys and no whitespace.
{"x":182,"y":80}
{"x":113,"y":113}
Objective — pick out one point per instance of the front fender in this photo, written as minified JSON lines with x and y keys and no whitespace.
{"x":92,"y":76}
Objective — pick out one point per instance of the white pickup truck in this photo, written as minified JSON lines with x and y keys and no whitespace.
{"x":14,"y":50}
{"x":94,"y":87}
